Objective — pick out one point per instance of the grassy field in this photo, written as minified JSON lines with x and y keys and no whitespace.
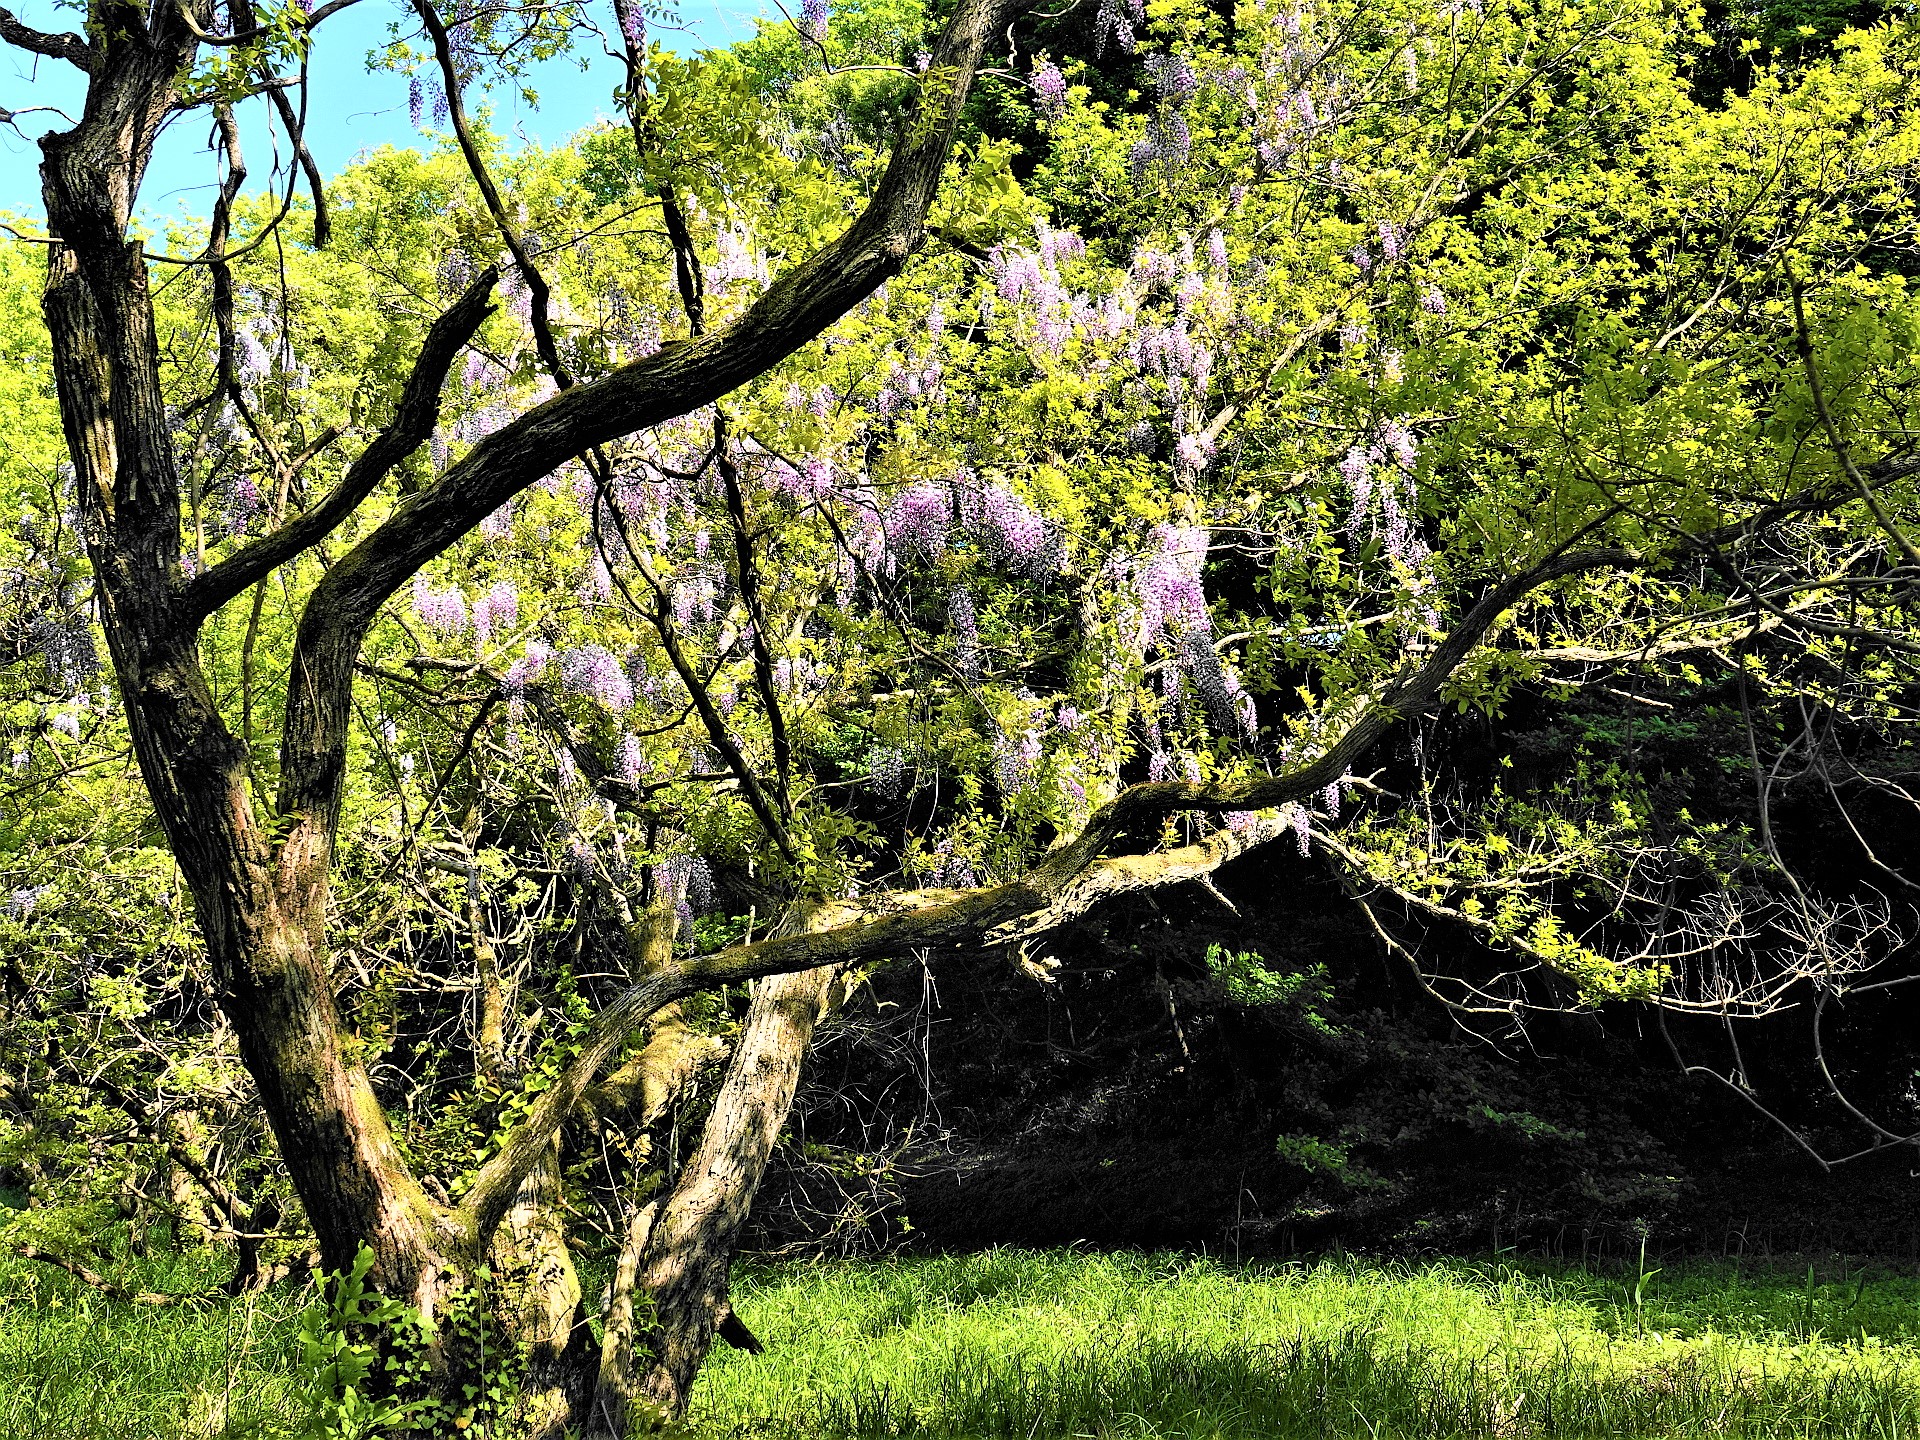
{"x":1030,"y":1346}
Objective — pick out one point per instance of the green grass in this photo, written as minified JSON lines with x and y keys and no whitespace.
{"x":1044,"y":1346}
{"x":1028,"y":1345}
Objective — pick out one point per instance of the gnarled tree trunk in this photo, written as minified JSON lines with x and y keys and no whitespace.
{"x":679,"y":1257}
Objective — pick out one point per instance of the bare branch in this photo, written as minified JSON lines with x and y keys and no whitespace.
{"x":64,"y":46}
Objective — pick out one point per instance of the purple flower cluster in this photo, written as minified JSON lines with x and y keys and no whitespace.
{"x":528,"y":668}
{"x":255,"y":362}
{"x":594,"y":670}
{"x":1167,"y":143}
{"x":632,"y":764}
{"x":919,"y":523}
{"x":1016,"y":536}
{"x":499,"y":523}
{"x":796,"y":676}
{"x":64,"y":638}
{"x":887,"y":767}
{"x":811,"y":480}
{"x":1115,"y":21}
{"x":695,"y":596}
{"x":1173,"y":78}
{"x":498,"y":609}
{"x":633,"y":25}
{"x":813,"y":20}
{"x":1392,"y":240}
{"x":1192,"y":454}
{"x":1389,"y":501}
{"x":966,"y":632}
{"x":23,"y":901}
{"x":1031,"y":281}
{"x":1016,"y":761}
{"x":1294,"y":98}
{"x":1174,"y":617}
{"x":1049,"y":89}
{"x":949,"y":870}
{"x":1170,"y":596}
{"x":736,"y":258}
{"x":443,"y":611}
{"x":689,"y":878}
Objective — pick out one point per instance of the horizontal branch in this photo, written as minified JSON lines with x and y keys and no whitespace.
{"x":109,"y":1288}
{"x":63,"y":46}
{"x":1070,"y":881}
{"x":251,"y":34}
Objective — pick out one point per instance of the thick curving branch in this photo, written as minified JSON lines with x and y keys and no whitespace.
{"x":674,"y":381}
{"x":65,"y":46}
{"x":412,"y":423}
{"x":1070,"y":881}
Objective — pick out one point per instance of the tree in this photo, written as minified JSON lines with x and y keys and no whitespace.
{"x":1386,"y":325}
{"x":260,"y":880}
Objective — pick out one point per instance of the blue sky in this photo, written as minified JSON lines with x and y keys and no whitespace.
{"x":350,"y":109}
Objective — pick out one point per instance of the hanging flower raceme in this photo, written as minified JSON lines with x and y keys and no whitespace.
{"x":736,"y":258}
{"x":23,"y":901}
{"x":1012,"y":533}
{"x":1116,"y":21}
{"x":442,"y":611}
{"x":696,"y":593}
{"x":1173,"y":617}
{"x":689,"y":880}
{"x":498,"y":609}
{"x":919,"y":522}
{"x":1016,"y":762}
{"x":966,"y":632}
{"x":594,"y":670}
{"x":530,"y":667}
{"x":1383,"y":497}
{"x":63,"y":636}
{"x":1049,"y":89}
{"x":887,"y":767}
{"x":243,"y":503}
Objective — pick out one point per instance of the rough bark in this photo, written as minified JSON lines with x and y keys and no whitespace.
{"x":690,"y":1251}
{"x":690,"y":1248}
{"x":258,"y":871}
{"x":541,"y":1308}
{"x":618,"y":1405}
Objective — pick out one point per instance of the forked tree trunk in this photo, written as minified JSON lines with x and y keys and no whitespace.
{"x":257,"y":865}
{"x":686,"y":1252}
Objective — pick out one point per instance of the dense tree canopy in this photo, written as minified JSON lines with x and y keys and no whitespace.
{"x":885,"y":497}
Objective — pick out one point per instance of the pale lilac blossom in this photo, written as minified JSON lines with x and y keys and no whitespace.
{"x":593,"y":670}
{"x":443,"y":610}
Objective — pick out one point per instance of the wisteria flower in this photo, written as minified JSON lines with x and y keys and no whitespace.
{"x":1049,"y":88}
